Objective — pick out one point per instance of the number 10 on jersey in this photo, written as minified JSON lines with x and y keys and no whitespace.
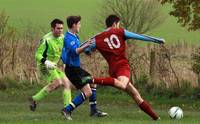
{"x":113,"y":41}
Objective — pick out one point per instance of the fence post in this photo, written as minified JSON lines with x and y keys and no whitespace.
{"x":152,"y":69}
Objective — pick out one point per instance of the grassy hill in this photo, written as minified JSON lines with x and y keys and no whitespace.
{"x":41,"y":12}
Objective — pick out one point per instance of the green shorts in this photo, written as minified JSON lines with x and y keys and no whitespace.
{"x":49,"y":75}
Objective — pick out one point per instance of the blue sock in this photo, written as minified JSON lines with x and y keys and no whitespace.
{"x":79,"y":99}
{"x":92,"y":100}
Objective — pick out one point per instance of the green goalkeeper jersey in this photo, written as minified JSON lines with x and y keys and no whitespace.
{"x":50,"y":48}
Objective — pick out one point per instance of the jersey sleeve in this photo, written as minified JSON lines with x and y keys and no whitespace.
{"x":41,"y":52}
{"x":70,"y":45}
{"x":131,"y":35}
{"x":91,"y":48}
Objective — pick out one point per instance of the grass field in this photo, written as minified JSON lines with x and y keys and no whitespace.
{"x":41,"y":12}
{"x":14,"y":109}
{"x":13,"y":101}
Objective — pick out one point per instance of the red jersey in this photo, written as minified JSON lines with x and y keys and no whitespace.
{"x":111,"y":44}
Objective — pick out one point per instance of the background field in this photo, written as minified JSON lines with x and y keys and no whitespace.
{"x":14,"y":109}
{"x":41,"y":12}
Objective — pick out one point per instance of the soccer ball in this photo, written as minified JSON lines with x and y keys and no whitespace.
{"x":175,"y":112}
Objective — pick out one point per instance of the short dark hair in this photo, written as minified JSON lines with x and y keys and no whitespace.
{"x":56,"y":21}
{"x":111,"y":19}
{"x":72,"y":20}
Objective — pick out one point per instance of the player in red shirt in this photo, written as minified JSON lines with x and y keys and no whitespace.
{"x":112,"y":45}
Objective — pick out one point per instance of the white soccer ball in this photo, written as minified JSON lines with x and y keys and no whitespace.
{"x":175,"y":112}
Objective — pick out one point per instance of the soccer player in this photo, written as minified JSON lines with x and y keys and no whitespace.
{"x":111,"y":44}
{"x":80,"y":78}
{"x":47,"y":56}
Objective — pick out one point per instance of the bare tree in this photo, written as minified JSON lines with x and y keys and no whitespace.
{"x":136,"y":15}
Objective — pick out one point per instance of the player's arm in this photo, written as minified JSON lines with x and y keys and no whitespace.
{"x":73,"y":47}
{"x":39,"y":55}
{"x":77,"y":50}
{"x":131,"y":35}
{"x":91,"y":48}
{"x":82,"y":47}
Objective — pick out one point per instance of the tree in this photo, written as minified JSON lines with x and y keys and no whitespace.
{"x":187,"y":12}
{"x":136,"y":15}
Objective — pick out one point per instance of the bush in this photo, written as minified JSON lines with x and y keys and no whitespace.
{"x":7,"y":39}
{"x":17,"y":49}
{"x":157,"y":91}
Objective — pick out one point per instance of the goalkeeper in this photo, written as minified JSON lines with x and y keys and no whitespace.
{"x":47,"y":56}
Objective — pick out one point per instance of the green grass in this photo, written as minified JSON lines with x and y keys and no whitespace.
{"x":41,"y":12}
{"x":48,"y":113}
{"x":14,"y":109}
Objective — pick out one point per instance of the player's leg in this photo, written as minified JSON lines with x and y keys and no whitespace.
{"x":43,"y":93}
{"x":94,"y":111}
{"x":54,"y":82}
{"x":67,"y":96}
{"x":78,"y":100}
{"x":77,"y":78}
{"x":67,"y":88}
{"x":66,"y":91}
{"x":144,"y":105}
{"x":105,"y":81}
{"x":123,"y":75}
{"x":110,"y":81}
{"x":122,"y":82}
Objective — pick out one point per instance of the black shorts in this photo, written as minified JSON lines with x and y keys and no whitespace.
{"x":78,"y":76}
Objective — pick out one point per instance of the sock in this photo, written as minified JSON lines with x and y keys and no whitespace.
{"x":147,"y":109}
{"x":104,"y":81}
{"x":66,"y":97}
{"x":92,"y":100}
{"x":78,"y":100}
{"x":41,"y":94}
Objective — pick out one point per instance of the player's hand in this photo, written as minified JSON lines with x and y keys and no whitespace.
{"x":49,"y":64}
{"x":89,"y":43}
{"x":162,"y":41}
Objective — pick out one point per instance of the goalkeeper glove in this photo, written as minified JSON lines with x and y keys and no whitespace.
{"x":49,"y":64}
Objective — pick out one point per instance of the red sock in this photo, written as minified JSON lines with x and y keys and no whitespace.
{"x":104,"y":81}
{"x":147,"y":109}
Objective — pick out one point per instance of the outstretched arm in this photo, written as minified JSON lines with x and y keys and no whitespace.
{"x":131,"y":35}
{"x":81,"y":48}
{"x":89,"y":49}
